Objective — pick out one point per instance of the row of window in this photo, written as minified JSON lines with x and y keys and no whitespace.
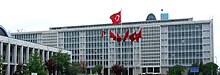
{"x":185,"y":41}
{"x":185,"y":34}
{"x":149,"y":61}
{"x":93,"y":63}
{"x":185,"y":27}
{"x":70,"y":34}
{"x":149,"y":64}
{"x":96,"y":57}
{"x":25,"y":36}
{"x":183,"y":61}
{"x":184,"y":48}
{"x":185,"y":55}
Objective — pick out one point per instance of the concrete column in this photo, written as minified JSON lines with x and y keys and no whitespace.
{"x":1,"y":52}
{"x":47,"y":55}
{"x":33,"y":51}
{"x":27,"y":55}
{"x":128,"y":71}
{"x":1,"y":49}
{"x":43,"y":56}
{"x":71,"y":60}
{"x":8,"y":59}
{"x":15,"y":57}
{"x":109,"y":73}
{"x":21,"y":54}
{"x":134,"y":70}
{"x":51,"y":54}
{"x":38,"y":51}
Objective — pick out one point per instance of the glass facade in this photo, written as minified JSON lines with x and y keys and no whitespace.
{"x":88,"y":45}
{"x":29,"y":37}
{"x":185,"y":44}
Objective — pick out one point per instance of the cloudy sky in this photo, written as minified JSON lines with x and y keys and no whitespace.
{"x":37,"y":15}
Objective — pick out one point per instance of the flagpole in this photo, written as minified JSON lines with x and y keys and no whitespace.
{"x":134,"y":50}
{"x":121,"y":36}
{"x":103,"y":56}
{"x":109,"y":51}
{"x":140,"y":52}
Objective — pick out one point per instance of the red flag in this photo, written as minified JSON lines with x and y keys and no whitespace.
{"x":139,"y":35}
{"x":116,"y":18}
{"x":118,"y":37}
{"x":132,"y":37}
{"x":103,"y":33}
{"x":112,"y":35}
{"x":126,"y":35}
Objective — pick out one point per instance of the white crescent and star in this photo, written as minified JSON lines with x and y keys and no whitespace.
{"x":117,"y":17}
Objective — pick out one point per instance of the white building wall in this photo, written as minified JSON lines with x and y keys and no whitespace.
{"x":17,"y":51}
{"x":50,"y":38}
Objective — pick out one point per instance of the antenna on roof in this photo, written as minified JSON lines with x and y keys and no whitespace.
{"x":18,"y":30}
{"x":212,"y":17}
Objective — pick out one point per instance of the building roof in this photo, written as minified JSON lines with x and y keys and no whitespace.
{"x":123,"y":23}
{"x":3,"y":32}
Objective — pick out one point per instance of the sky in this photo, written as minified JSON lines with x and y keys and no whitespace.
{"x":39,"y":15}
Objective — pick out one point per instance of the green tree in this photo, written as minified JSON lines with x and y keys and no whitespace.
{"x":73,"y":69}
{"x":97,"y":69}
{"x":210,"y":69}
{"x":200,"y":68}
{"x":36,"y":65}
{"x":176,"y":70}
{"x":62,"y":62}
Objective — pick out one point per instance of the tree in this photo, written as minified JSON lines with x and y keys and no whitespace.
{"x":200,"y":67}
{"x":51,"y":66}
{"x":176,"y":70}
{"x":83,"y":66}
{"x":117,"y":69}
{"x":36,"y":65}
{"x":19,"y":70}
{"x":210,"y":69}
{"x":73,"y":69}
{"x":98,"y":69}
{"x":62,"y":62}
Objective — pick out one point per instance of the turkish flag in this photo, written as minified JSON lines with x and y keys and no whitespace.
{"x":118,"y":37}
{"x":116,"y":18}
{"x":132,"y":37}
{"x":112,"y":35}
{"x":139,"y":35}
{"x":103,"y":33}
{"x":126,"y":35}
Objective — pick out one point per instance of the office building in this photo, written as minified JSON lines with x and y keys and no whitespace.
{"x":14,"y":51}
{"x":164,"y":43}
